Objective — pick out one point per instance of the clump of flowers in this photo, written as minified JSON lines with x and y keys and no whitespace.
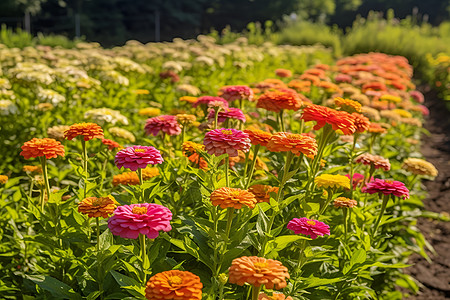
{"x":148,"y":219}
{"x":339,"y":120}
{"x":258,"y":271}
{"x":175,"y":284}
{"x":89,"y":131}
{"x":305,"y":226}
{"x":225,"y":140}
{"x":96,"y":207}
{"x":166,"y":124}
{"x":262,"y":192}
{"x":387,"y":187}
{"x":378,"y":162}
{"x":102,"y":115}
{"x":332,"y":181}
{"x":236,"y":92}
{"x":295,"y":143}
{"x":344,"y":202}
{"x":419,"y":166}
{"x":122,"y":133}
{"x":276,"y":100}
{"x":226,"y":197}
{"x":47,"y":147}
{"x":138,"y":157}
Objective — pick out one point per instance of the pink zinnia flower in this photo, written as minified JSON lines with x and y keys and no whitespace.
{"x":343,"y":78}
{"x":236,"y":92}
{"x":378,"y":162}
{"x":129,"y":221}
{"x":418,"y":96}
{"x":165,"y":123}
{"x":358,"y":179}
{"x":306,"y":226}
{"x":208,"y":99}
{"x":424,"y":110}
{"x":387,"y":187}
{"x":138,"y":157}
{"x":228,"y":113}
{"x":224,"y":140}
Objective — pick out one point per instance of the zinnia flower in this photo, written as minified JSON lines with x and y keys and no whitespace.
{"x":138,"y":157}
{"x":232,"y":197}
{"x":189,"y":99}
{"x":129,"y":221}
{"x":89,"y":131}
{"x":296,"y":143}
{"x":258,"y":271}
{"x":236,"y":92}
{"x":111,"y":144}
{"x":185,"y":119}
{"x":258,"y":137}
{"x":339,"y":120}
{"x":344,"y":202}
{"x":122,"y":133}
{"x":357,"y":179}
{"x":149,"y":112}
{"x":262,"y":192}
{"x":309,"y":227}
{"x":3,"y":179}
{"x":205,"y":100}
{"x":165,"y":123}
{"x":275,"y":296}
{"x":283,"y":73}
{"x":419,"y":166}
{"x":387,"y":187}
{"x":276,"y":100}
{"x":106,"y":115}
{"x":149,"y":172}
{"x":97,"y":207}
{"x":347,"y":105}
{"x":175,"y":284}
{"x":32,"y":169}
{"x":221,"y":141}
{"x":378,"y":162}
{"x":57,"y":132}
{"x":361,"y":122}
{"x":47,"y":147}
{"x":126,"y":178}
{"x":333,"y":181}
{"x":227,"y":113}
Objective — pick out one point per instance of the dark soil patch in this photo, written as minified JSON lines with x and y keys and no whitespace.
{"x":435,"y":277}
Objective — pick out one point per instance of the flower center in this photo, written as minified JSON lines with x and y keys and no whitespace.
{"x":175,"y":280}
{"x":140,"y":150}
{"x":295,"y":136}
{"x":227,"y":132}
{"x":97,"y":202}
{"x":389,"y":181}
{"x":260,"y":265}
{"x":139,"y":210}
{"x":310,"y":222}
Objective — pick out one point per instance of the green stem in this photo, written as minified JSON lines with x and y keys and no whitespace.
{"x":327,"y":202}
{"x":345,"y":211}
{"x":255,"y":292}
{"x":47,"y":185}
{"x":281,"y":119}
{"x":383,"y":208}
{"x":252,"y":166}
{"x":227,"y":170}
{"x":230,"y":214}
{"x":98,"y":234}
{"x":351,"y":158}
{"x":85,"y":165}
{"x":216,"y":117}
{"x":141,"y":182}
{"x":143,"y":256}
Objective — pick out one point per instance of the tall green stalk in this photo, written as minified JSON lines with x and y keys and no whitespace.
{"x":46,"y":183}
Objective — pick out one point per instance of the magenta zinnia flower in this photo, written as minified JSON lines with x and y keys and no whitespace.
{"x":207,"y":99}
{"x":306,"y":226}
{"x":145,"y":218}
{"x":358,"y":179}
{"x":228,"y":113}
{"x":138,"y":157}
{"x":224,"y":140}
{"x":236,"y":92}
{"x":387,"y":187}
{"x":165,"y":123}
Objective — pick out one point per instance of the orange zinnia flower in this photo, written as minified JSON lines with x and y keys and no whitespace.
{"x":32,"y":169}
{"x":339,"y":120}
{"x":296,"y":143}
{"x":97,"y":207}
{"x":347,"y":105}
{"x":344,"y":202}
{"x":111,"y":144}
{"x":3,"y":179}
{"x":175,"y":284}
{"x":376,"y":128}
{"x":88,"y":130}
{"x":262,"y":192}
{"x":283,"y":73}
{"x":258,"y":271}
{"x":275,"y":296}
{"x":258,"y":137}
{"x":361,"y":122}
{"x":276,"y":100}
{"x":130,"y":178}
{"x":47,"y":147}
{"x":232,"y":197}
{"x":149,"y":172}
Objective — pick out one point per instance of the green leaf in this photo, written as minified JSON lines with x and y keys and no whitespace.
{"x":124,"y":280}
{"x":105,"y":240}
{"x":262,"y":224}
{"x":58,"y":289}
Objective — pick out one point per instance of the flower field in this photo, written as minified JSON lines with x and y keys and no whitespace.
{"x":189,"y":170}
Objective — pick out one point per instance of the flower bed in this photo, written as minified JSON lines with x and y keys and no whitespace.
{"x":210,"y":174}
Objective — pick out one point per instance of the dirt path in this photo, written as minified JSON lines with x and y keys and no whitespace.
{"x":435,"y":277}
